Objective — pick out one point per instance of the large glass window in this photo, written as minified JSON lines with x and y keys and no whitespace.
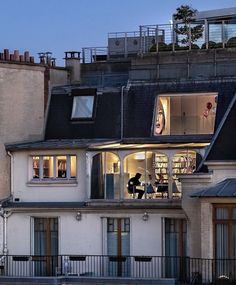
{"x":153,"y":168}
{"x":183,"y":114}
{"x":105,"y":176}
{"x":221,"y":31}
{"x":183,"y":162}
{"x":82,"y":107}
{"x":54,"y":167}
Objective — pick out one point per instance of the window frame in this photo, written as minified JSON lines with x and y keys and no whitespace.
{"x":167,"y":129}
{"x":90,"y":118}
{"x":230,"y":221}
{"x":55,"y":177}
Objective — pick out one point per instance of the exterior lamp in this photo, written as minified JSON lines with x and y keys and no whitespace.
{"x":78,"y":216}
{"x":145,"y":216}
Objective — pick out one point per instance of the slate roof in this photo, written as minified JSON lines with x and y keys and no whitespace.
{"x":139,"y":103}
{"x":225,"y":188}
{"x":58,"y":144}
{"x":223,"y":145}
{"x":106,"y":123}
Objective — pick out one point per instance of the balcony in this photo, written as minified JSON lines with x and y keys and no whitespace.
{"x":183,"y":269}
{"x":160,"y":38}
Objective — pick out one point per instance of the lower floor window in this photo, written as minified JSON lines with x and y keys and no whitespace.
{"x":54,"y":167}
{"x":224,"y":219}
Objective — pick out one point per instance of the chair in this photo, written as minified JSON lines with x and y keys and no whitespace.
{"x":132,"y":193}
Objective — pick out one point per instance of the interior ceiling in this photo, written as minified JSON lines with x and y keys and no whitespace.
{"x":148,"y":146}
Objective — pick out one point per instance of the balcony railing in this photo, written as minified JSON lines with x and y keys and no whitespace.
{"x":158,"y":38}
{"x":184,"y":269}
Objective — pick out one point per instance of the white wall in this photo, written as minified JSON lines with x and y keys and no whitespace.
{"x":47,"y":192}
{"x":85,"y":237}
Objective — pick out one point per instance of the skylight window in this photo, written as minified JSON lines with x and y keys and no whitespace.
{"x":83,"y":107}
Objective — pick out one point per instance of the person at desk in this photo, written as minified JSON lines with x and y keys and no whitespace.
{"x":132,"y":185}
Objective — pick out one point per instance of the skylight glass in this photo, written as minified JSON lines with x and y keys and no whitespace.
{"x":82,"y":107}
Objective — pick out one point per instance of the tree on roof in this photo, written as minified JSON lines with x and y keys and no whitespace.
{"x":191,"y":32}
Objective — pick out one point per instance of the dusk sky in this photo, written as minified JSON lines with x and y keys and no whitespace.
{"x":64,"y":25}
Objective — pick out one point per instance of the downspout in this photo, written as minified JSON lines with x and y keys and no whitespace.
{"x":122,"y":113}
{"x":11,"y":170}
{"x":6,"y":214}
{"x":121,"y":139}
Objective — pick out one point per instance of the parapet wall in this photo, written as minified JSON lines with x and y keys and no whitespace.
{"x":193,"y":64}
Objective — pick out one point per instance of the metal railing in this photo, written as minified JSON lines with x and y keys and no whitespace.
{"x":184,"y":269}
{"x":164,"y":37}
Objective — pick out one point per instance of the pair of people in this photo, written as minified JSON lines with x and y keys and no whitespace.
{"x":134,"y":183}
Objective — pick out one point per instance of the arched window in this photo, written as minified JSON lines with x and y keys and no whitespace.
{"x":153,"y":168}
{"x":105,"y":176}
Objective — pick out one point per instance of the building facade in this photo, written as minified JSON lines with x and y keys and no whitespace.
{"x":70,"y":203}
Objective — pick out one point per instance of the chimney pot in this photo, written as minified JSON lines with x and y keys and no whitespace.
{"x":26,"y":55}
{"x":6,"y":54}
{"x":16,"y":55}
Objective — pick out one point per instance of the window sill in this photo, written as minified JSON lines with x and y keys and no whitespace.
{"x":53,"y":182}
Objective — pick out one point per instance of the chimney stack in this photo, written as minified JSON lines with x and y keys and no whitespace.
{"x":72,"y":62}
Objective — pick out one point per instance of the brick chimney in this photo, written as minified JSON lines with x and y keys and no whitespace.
{"x":72,"y":62}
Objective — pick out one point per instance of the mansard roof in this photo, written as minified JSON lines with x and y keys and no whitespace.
{"x":223,"y":145}
{"x":137,"y":111}
{"x":106,"y":121}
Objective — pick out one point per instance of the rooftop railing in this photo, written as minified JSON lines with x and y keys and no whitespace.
{"x":165,"y":37}
{"x":184,"y":269}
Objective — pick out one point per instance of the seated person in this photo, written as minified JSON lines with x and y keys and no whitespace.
{"x":133,"y":183}
{"x":151,"y":182}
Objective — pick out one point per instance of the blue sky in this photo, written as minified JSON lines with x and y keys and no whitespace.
{"x":63,"y":25}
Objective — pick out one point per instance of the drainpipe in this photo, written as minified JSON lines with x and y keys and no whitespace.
{"x":5,"y":215}
{"x":11,"y":170}
{"x":122,"y":113}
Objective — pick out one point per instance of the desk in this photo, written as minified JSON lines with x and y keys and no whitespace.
{"x":163,"y":189}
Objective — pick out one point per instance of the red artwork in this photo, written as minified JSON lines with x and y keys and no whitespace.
{"x":207,"y":110}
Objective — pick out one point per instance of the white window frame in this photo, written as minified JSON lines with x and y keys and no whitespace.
{"x":55,"y":172}
{"x":76,"y":102}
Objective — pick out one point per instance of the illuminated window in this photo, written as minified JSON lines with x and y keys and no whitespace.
{"x":54,"y":167}
{"x":105,"y":176}
{"x":183,"y":114}
{"x":83,"y":107}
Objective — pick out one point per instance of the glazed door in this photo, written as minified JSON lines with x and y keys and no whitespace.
{"x":45,"y":246}
{"x":175,"y":248}
{"x":118,"y":246}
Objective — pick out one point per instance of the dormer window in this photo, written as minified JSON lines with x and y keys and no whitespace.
{"x":185,"y":114}
{"x":83,"y":107}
